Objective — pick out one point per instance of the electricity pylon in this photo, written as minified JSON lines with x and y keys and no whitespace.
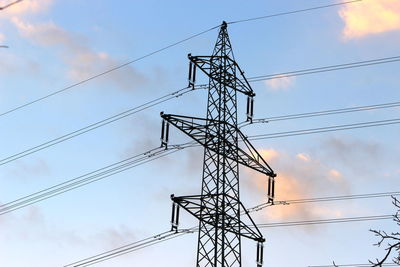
{"x":222,"y":217}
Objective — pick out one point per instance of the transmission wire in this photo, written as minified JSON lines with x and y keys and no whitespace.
{"x":321,"y":199}
{"x":95,"y":125}
{"x":160,"y":50}
{"x":79,"y":182}
{"x":203,"y":86}
{"x":175,"y":148}
{"x":106,"y":72}
{"x":113,"y":253}
{"x":293,"y":12}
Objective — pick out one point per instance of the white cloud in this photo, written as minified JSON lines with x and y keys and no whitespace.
{"x":280,"y":82}
{"x":83,"y":62}
{"x":2,"y":38}
{"x":355,"y":154}
{"x":32,"y":170}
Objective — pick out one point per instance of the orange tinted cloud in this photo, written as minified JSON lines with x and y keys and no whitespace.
{"x":370,"y":17}
{"x":25,"y":7}
{"x":269,"y":154}
{"x":291,"y":187}
{"x":335,"y":174}
{"x":303,"y":157}
{"x":18,"y":10}
{"x":299,"y":176}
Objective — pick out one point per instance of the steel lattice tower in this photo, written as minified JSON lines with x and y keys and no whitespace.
{"x":218,"y":207}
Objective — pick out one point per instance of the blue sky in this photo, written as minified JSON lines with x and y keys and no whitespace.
{"x":53,"y":44}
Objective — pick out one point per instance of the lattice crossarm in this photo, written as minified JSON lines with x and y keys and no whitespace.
{"x":209,"y":65}
{"x":208,"y":214}
{"x":196,"y":128}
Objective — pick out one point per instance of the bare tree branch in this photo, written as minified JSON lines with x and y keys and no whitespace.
{"x":391,"y":241}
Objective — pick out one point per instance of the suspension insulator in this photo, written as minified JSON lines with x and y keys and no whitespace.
{"x":271,"y":189}
{"x":260,"y":254}
{"x":164,"y":133}
{"x":175,"y":216}
{"x":192,"y":73}
{"x":250,"y":108}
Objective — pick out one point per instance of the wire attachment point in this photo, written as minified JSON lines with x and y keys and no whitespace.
{"x":271,"y":189}
{"x":174,"y":215}
{"x":260,"y":253}
{"x":164,"y":133}
{"x":192,"y":72}
{"x":250,"y":108}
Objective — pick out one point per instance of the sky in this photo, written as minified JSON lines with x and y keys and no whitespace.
{"x":54,"y":44}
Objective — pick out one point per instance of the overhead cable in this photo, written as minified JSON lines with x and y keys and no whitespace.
{"x":293,"y":12}
{"x":325,"y":129}
{"x":325,"y":221}
{"x":10,"y":4}
{"x":105,"y":72}
{"x":323,"y":199}
{"x":87,"y":178}
{"x":95,"y":125}
{"x":185,"y":90}
{"x":170,"y":235}
{"x":327,"y":112}
{"x":160,"y":50}
{"x":354,"y":265}
{"x":33,"y":198}
{"x":150,"y":241}
{"x":342,"y":66}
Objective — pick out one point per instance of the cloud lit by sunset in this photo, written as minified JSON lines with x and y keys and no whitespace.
{"x":370,"y":17}
{"x":299,"y":176}
{"x":269,"y":154}
{"x":26,"y":6}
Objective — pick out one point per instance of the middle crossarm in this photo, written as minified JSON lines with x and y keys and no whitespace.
{"x":196,"y":128}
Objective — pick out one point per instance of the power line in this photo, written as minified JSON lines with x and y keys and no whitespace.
{"x":96,"y":125}
{"x":105,"y":72}
{"x":170,"y":235}
{"x":325,"y":129}
{"x":347,"y":197}
{"x":150,"y":241}
{"x":354,"y":265}
{"x":86,"y":179}
{"x":155,"y":52}
{"x":325,"y":221}
{"x":185,"y":90}
{"x":11,"y":4}
{"x":323,"y":199}
{"x":327,"y":112}
{"x":350,"y":65}
{"x":321,"y":113}
{"x":179,"y":93}
{"x":293,"y":12}
{"x":65,"y":187}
